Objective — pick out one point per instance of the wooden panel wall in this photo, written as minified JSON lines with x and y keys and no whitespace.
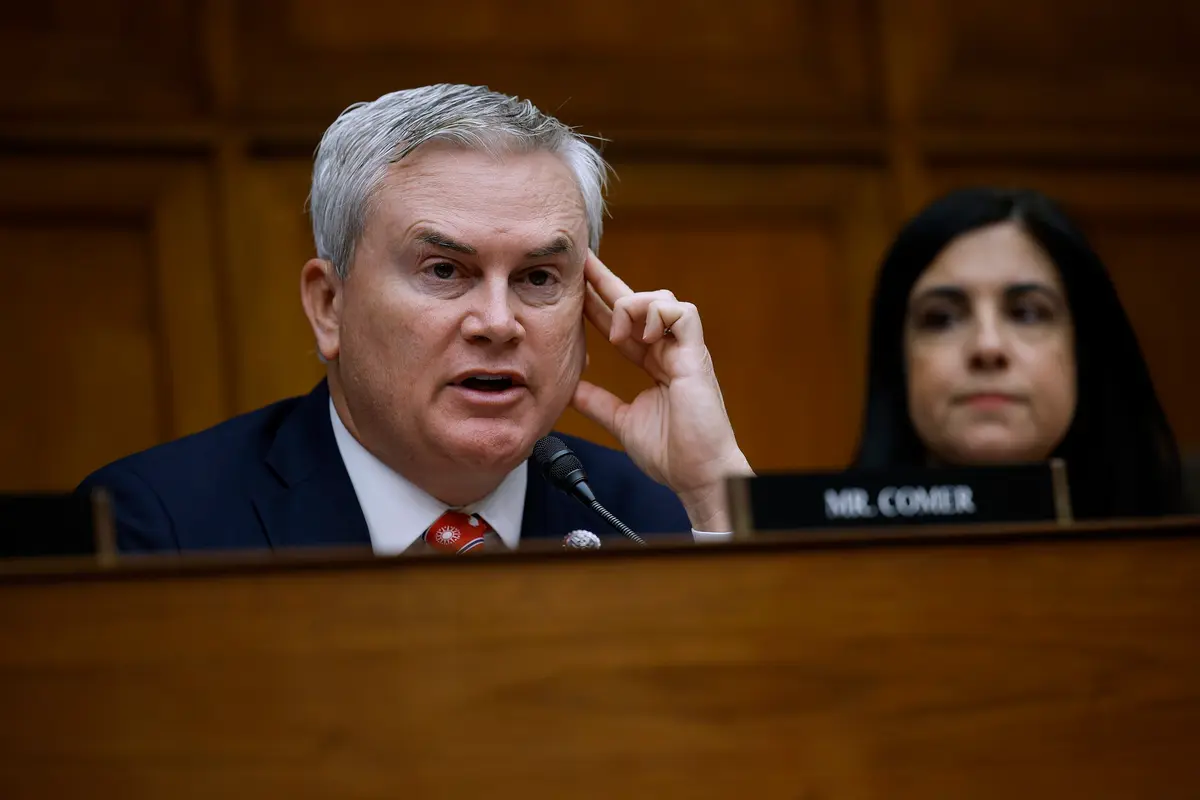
{"x":109,"y":312}
{"x":154,"y":161}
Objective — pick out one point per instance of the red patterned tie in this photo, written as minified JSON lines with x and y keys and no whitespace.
{"x":455,"y":532}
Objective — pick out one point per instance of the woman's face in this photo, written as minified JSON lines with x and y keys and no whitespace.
{"x":989,"y":344}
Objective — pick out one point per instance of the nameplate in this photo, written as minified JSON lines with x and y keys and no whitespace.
{"x":868,"y":498}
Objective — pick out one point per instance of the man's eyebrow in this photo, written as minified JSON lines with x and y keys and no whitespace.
{"x":432,"y":237}
{"x":560,"y":245}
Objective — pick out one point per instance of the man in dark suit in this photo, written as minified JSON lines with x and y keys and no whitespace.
{"x":455,"y":272}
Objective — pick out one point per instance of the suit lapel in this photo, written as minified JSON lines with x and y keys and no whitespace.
{"x":306,"y":499}
{"x":539,"y":508}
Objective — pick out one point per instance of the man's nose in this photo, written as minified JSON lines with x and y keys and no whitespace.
{"x":491,"y":318}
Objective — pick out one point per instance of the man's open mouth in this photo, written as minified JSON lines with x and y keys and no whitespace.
{"x":488,"y":383}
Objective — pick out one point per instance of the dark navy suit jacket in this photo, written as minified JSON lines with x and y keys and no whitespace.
{"x":274,"y":478}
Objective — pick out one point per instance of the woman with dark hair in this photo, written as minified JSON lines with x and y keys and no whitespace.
{"x":997,"y":337}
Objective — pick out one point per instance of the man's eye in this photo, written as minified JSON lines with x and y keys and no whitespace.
{"x":539,"y":277}
{"x":444,"y":271}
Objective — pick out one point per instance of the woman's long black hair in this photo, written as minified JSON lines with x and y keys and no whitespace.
{"x":1122,"y":459}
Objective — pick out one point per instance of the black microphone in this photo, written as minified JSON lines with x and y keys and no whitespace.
{"x":565,"y":471}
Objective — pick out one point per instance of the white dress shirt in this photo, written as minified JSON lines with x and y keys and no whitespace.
{"x":398,"y":513}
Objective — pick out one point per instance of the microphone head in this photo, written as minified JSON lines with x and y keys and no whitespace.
{"x":581,"y":540}
{"x":557,"y":462}
{"x":548,"y":448}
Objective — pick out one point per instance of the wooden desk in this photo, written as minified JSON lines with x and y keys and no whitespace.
{"x":955,"y":666}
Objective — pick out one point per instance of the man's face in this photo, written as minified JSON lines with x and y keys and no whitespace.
{"x":461,"y":337}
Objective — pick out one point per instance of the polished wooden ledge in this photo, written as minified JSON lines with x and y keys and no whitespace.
{"x":614,"y":546}
{"x":1024,"y":661}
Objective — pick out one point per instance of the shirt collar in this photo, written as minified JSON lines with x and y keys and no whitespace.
{"x":398,"y":512}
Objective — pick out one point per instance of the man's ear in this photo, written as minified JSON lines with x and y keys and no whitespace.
{"x":321,"y":292}
{"x":587,"y":356}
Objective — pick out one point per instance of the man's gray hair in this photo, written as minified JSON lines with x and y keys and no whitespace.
{"x":357,"y":149}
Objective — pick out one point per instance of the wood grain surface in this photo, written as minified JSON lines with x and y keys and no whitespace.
{"x":985,"y":668}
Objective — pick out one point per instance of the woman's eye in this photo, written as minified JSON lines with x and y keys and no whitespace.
{"x":935,"y":319}
{"x":444,"y":271}
{"x":1031,"y":312}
